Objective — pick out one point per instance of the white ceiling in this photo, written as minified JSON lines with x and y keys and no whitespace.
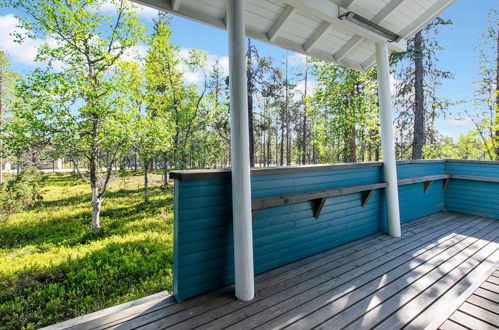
{"x":312,"y":27}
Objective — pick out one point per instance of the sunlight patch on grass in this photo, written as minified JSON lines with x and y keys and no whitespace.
{"x":54,"y":267}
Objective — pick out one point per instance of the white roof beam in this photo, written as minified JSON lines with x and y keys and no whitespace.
{"x":176,"y":4}
{"x":357,"y":40}
{"x":430,"y":14}
{"x":274,"y":30}
{"x":329,"y":12}
{"x":386,"y":11}
{"x":369,"y":62}
{"x":348,"y":46}
{"x":345,"y":3}
{"x":316,"y":35}
{"x":322,"y":29}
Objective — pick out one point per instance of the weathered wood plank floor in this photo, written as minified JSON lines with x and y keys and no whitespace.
{"x":480,"y":310}
{"x":375,"y":282}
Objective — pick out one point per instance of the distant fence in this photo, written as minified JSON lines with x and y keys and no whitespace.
{"x":300,"y":211}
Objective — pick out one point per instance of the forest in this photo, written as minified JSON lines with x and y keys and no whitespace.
{"x":117,"y":120}
{"x":102,"y":108}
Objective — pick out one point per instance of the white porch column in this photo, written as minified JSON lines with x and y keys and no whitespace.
{"x":387,"y":140}
{"x":241,"y":184}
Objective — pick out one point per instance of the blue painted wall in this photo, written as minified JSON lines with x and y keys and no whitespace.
{"x":473,"y":197}
{"x":414,"y":202}
{"x":203,"y":231}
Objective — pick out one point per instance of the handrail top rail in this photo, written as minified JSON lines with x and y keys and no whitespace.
{"x":278,"y":170}
{"x":403,"y":182}
{"x":186,"y":175}
{"x":280,"y":200}
{"x":474,"y":178}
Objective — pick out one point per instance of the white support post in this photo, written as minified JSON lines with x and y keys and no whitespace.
{"x":241,"y":184}
{"x":387,"y":140}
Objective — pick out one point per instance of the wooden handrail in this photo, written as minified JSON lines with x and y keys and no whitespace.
{"x":419,"y":179}
{"x":474,"y":178}
{"x":320,"y":196}
{"x":266,"y":202}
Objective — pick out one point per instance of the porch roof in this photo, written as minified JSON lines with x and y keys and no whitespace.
{"x":315,"y":27}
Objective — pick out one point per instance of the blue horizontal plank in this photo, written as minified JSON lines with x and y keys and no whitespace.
{"x":473,"y":169}
{"x":203,"y":221}
{"x":270,"y":242}
{"x":414,"y":170}
{"x":225,"y":264}
{"x":281,"y":235}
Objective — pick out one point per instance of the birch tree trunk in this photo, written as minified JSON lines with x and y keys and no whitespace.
{"x":96,"y":198}
{"x":165,"y":170}
{"x":146,"y":181}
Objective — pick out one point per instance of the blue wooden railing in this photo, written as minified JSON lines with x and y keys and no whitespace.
{"x":293,"y":228}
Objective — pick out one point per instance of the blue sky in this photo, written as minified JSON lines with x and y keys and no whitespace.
{"x":459,"y":55}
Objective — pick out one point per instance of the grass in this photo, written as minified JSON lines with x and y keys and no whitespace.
{"x":53,"y":267}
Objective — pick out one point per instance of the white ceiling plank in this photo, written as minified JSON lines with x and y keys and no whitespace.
{"x":324,"y":29}
{"x":356,"y":40}
{"x":274,"y":31}
{"x":318,"y":33}
{"x":369,"y":62}
{"x":329,"y":12}
{"x":176,"y":4}
{"x":347,"y":47}
{"x":345,"y":3}
{"x":429,"y":15}
{"x":386,"y":11}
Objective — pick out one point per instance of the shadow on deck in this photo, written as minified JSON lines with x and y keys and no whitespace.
{"x":375,"y":282}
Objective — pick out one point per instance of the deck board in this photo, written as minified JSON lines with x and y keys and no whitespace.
{"x":377,"y":281}
{"x":392,"y":272}
{"x":480,"y":310}
{"x":401,"y":285}
{"x":286,"y":295}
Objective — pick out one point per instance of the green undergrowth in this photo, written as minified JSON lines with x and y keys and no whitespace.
{"x":54,"y":267}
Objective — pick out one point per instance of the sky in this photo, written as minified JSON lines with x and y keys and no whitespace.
{"x":459,"y":54}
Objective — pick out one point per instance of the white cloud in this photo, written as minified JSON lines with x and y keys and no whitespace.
{"x":464,"y":122}
{"x":194,"y":78}
{"x":222,"y":60}
{"x":24,"y":52}
{"x":197,"y":77}
{"x":297,"y":59}
{"x":454,"y":127}
{"x":300,"y":89}
{"x":142,"y":11}
{"x":135,"y":52}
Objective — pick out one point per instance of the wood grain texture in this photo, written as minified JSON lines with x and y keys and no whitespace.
{"x":473,"y":188}
{"x":273,"y":201}
{"x":291,"y":224}
{"x":375,"y":281}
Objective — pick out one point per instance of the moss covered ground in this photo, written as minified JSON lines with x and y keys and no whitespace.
{"x":54,"y":267}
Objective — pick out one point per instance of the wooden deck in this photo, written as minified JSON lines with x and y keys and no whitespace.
{"x":375,"y":282}
{"x":480,"y":310}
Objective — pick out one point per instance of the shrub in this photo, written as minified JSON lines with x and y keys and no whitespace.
{"x":22,"y":192}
